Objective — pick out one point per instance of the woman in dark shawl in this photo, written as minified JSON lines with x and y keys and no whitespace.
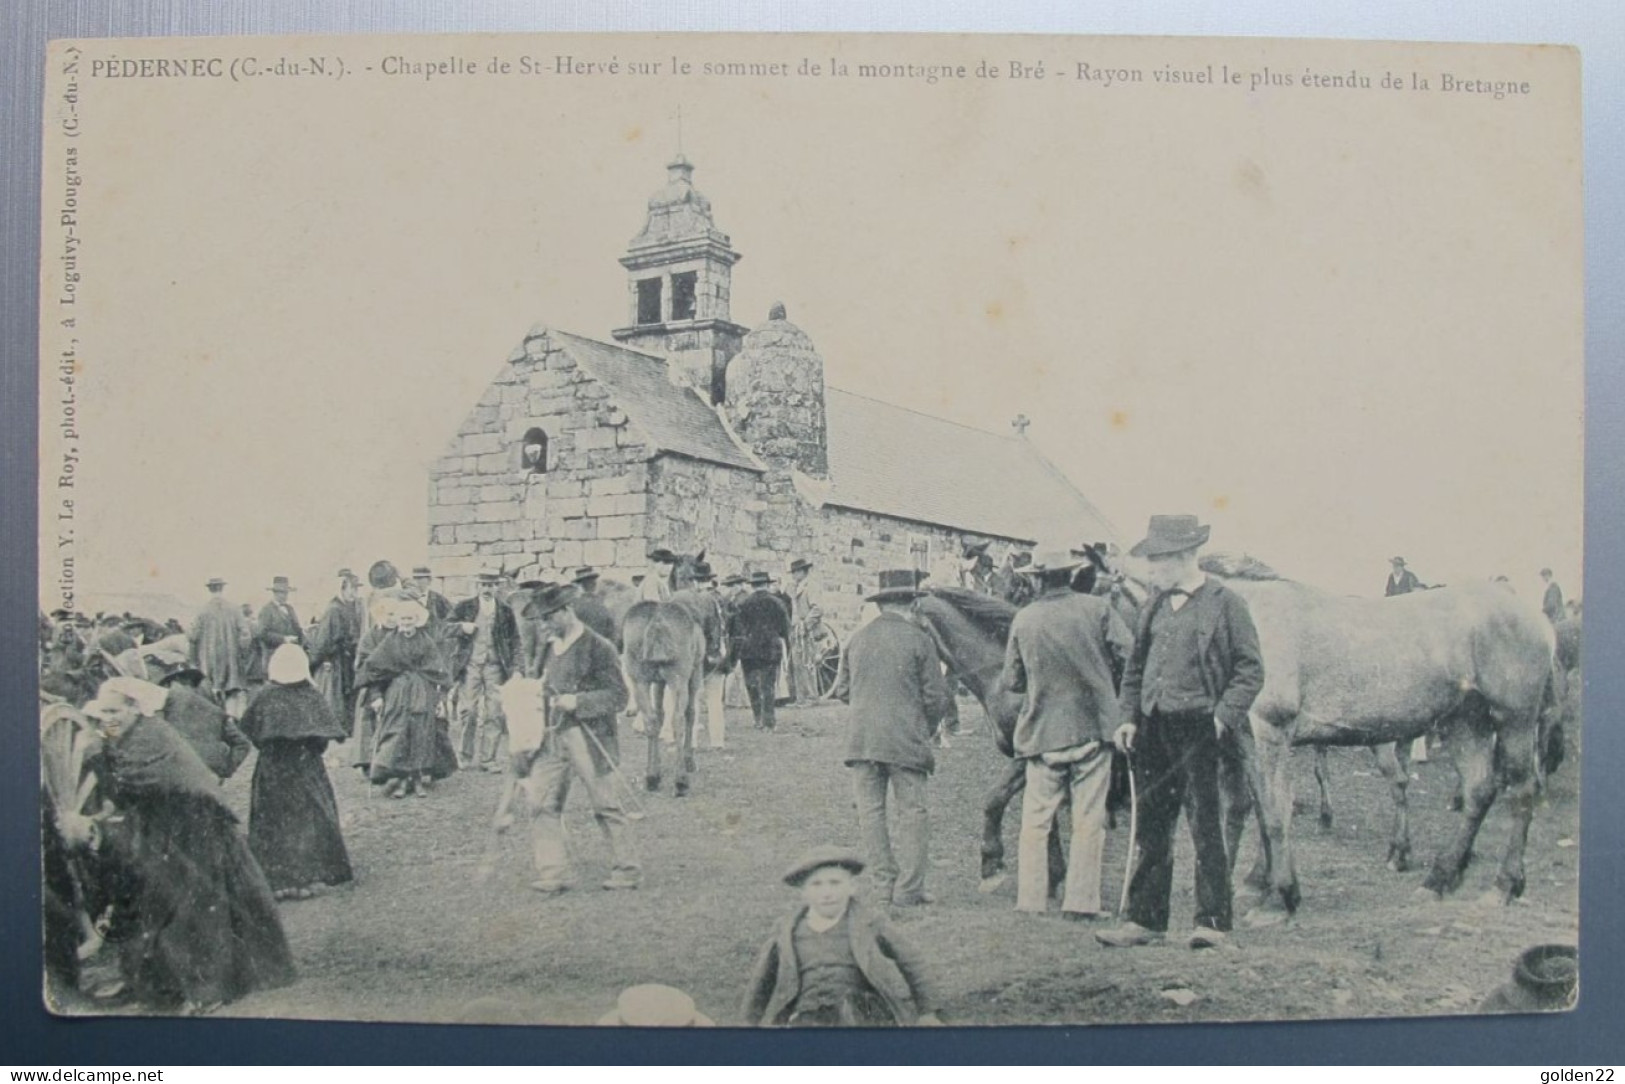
{"x":404,"y":678}
{"x":191,"y":912}
{"x":293,"y":818}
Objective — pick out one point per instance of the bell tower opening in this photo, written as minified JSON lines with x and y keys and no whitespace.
{"x":680,"y":278}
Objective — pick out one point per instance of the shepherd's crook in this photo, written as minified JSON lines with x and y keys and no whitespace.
{"x":1133,"y":828}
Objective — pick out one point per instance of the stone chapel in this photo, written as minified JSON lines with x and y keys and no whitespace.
{"x":689,"y":431}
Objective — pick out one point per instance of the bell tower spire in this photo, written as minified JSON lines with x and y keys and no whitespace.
{"x":679,"y":277}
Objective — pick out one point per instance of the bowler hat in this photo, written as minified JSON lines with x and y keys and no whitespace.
{"x":532,"y":585}
{"x":760,"y":578}
{"x":345,"y":574}
{"x":549,"y":600}
{"x":215,"y":581}
{"x":586,"y":573}
{"x":1396,"y":560}
{"x":280,"y":583}
{"x":733,"y":579}
{"x":827,"y":854}
{"x":702,"y":573}
{"x":1171,"y":534}
{"x":422,"y":570}
{"x":489,"y":576}
{"x":800,"y":564}
{"x":897,"y":585}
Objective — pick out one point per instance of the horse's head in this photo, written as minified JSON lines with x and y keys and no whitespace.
{"x":971,"y":629}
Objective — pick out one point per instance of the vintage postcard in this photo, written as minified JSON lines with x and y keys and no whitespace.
{"x":740,"y":530}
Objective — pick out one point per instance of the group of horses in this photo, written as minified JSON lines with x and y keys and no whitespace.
{"x":1472,"y":664}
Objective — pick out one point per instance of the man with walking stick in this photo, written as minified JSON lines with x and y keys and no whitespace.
{"x":1195,"y":671}
{"x":583,"y":691}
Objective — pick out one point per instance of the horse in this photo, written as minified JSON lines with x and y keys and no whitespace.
{"x":1473,"y":661}
{"x":663,"y":648}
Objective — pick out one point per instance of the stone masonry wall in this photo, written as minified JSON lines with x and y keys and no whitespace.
{"x":589,"y":507}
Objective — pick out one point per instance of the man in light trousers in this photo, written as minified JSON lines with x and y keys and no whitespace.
{"x":1063,"y":652}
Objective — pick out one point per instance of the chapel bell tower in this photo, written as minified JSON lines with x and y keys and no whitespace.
{"x":679,"y":274}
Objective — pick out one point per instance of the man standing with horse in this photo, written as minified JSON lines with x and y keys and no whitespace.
{"x":1195,"y":670}
{"x":894,"y":685}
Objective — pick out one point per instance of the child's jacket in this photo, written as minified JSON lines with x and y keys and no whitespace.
{"x":887,"y":962}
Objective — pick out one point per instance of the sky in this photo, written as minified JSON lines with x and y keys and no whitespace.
{"x":1337,"y":327}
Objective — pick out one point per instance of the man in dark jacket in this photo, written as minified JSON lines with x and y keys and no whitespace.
{"x":584,"y":690}
{"x":1401,"y":580}
{"x":277,"y":625}
{"x":1195,"y":671}
{"x":761,"y":628}
{"x":1551,"y":603}
{"x":487,"y":639}
{"x":893,"y":683}
{"x":334,"y":645}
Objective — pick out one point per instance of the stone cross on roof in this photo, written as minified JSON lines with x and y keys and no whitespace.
{"x":1020,"y":423}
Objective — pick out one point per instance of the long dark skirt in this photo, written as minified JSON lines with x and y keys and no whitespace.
{"x":194,"y":918}
{"x":293,"y":819}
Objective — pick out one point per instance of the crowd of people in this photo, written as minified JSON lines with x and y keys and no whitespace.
{"x":147,"y":849}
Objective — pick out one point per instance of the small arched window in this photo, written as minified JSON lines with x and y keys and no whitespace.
{"x":533,"y":452}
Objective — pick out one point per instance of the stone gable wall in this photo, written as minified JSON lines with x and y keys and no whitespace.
{"x":589,"y":507}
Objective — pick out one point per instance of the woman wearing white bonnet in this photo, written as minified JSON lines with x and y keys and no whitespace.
{"x":293,"y":818}
{"x":403,"y":679}
{"x":195,"y":921}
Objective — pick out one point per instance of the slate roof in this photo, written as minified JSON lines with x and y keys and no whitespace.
{"x":675,"y":418}
{"x":897,"y":462}
{"x":883,"y":458}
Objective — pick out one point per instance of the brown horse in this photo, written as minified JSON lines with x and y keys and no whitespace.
{"x":1474,"y":661}
{"x":663,"y":648}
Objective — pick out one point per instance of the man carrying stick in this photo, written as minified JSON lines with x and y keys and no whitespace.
{"x":1195,"y":671}
{"x":583,"y":691}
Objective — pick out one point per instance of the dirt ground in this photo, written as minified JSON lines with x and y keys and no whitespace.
{"x":441,"y":914}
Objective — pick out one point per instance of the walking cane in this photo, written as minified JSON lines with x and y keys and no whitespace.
{"x":1133,"y":828}
{"x":634,"y":808}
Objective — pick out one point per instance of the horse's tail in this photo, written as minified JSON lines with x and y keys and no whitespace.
{"x":1552,"y":746}
{"x":668,"y":636}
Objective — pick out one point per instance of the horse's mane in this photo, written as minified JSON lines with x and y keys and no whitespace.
{"x":989,"y":613}
{"x":1237,"y":566}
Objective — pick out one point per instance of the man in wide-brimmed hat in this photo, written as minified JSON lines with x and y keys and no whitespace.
{"x":1401,"y":580}
{"x":277,"y":624}
{"x":584,"y":691}
{"x":759,"y":629}
{"x":804,"y":617}
{"x":1195,"y":671}
{"x":1063,"y":650}
{"x":221,"y":642}
{"x":892,"y":681}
